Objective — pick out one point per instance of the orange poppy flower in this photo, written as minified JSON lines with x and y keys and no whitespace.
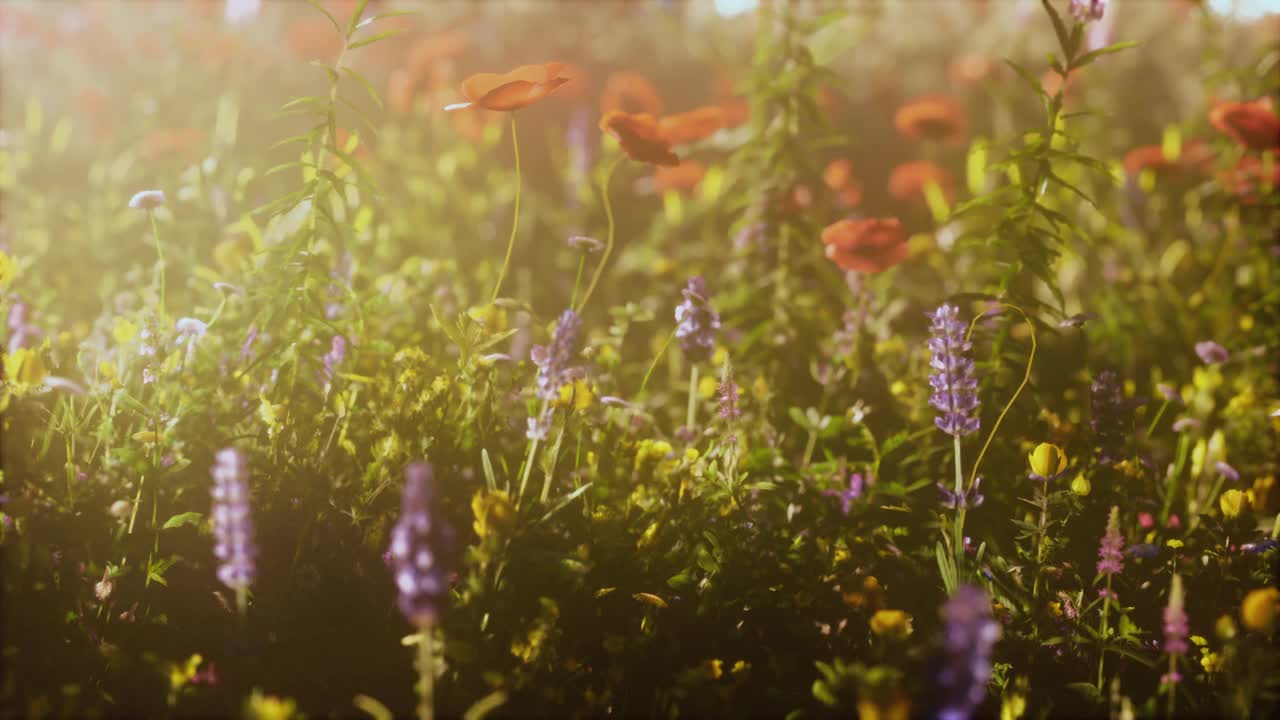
{"x":433,"y":48}
{"x":681,"y":178}
{"x":908,"y":180}
{"x":630,"y":92}
{"x":1254,"y":124}
{"x":182,"y":142}
{"x":687,"y":127}
{"x":737,"y":110}
{"x":578,"y":84}
{"x":517,"y":89}
{"x":932,"y":117}
{"x":640,"y":137}
{"x":1193,"y":161}
{"x":870,"y":246}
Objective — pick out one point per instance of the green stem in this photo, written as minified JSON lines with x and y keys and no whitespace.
{"x":528,"y":460}
{"x":1102,"y":634}
{"x":426,"y":675}
{"x":160,"y":264}
{"x":1044,"y":520}
{"x":692,"y":412}
{"x":577,"y":281}
{"x":515,"y":215}
{"x":608,"y":241}
{"x":960,"y":500}
{"x":1155,"y":420}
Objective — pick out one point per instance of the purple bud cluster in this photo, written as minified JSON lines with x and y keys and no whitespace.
{"x":1108,"y":421}
{"x":969,"y":636}
{"x":1086,"y":10}
{"x":232,"y":520}
{"x":1111,"y":548}
{"x":553,"y":360}
{"x":417,"y":543}
{"x":955,"y":389}
{"x":697,"y":323}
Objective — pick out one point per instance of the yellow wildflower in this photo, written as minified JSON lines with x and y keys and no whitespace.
{"x":891,"y":623}
{"x":1047,"y":460}
{"x":1260,"y":609}
{"x":1081,"y":485}
{"x":707,"y":387}
{"x":1232,"y":502}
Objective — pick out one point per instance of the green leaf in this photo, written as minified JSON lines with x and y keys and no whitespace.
{"x":1059,"y":29}
{"x":336,"y":26}
{"x":186,"y":518}
{"x":355,"y":16}
{"x":1108,"y":50}
{"x":364,"y":82}
{"x":375,"y":38}
{"x":833,"y":40}
{"x":486,"y":705}
{"x":372,"y":707}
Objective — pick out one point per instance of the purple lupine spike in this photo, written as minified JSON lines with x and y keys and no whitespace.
{"x":417,"y":546}
{"x":1111,"y":548}
{"x":697,"y":323}
{"x":1108,"y":420}
{"x":969,"y":636}
{"x":970,"y":498}
{"x":332,"y":359}
{"x":554,"y":360}
{"x":232,"y":520}
{"x":955,"y":389}
{"x":727,"y":394}
{"x":22,"y":333}
{"x":1176,"y":630}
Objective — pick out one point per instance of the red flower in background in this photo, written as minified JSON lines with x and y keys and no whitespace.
{"x":872,"y":245}
{"x":680,"y":178}
{"x":640,"y":137}
{"x":737,"y":110}
{"x":630,"y":92}
{"x":1194,"y":161}
{"x":432,"y":49}
{"x":185,"y":143}
{"x":400,"y":91}
{"x":838,"y":176}
{"x":970,"y":68}
{"x":1252,"y":124}
{"x":932,"y":117}
{"x":517,"y":89}
{"x":313,"y":37}
{"x":908,"y":180}
{"x":687,"y":127}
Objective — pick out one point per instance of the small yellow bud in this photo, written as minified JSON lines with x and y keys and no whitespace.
{"x":707,"y":388}
{"x":1081,"y":485}
{"x":1260,"y":609}
{"x":1232,"y":502}
{"x":1047,"y":460}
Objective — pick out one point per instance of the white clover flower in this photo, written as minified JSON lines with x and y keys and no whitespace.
{"x":147,"y":200}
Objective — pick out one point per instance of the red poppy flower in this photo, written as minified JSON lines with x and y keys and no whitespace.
{"x":1252,"y":124}
{"x":838,"y":176}
{"x":737,"y":110}
{"x":908,"y":180}
{"x":1248,"y":178}
{"x":517,"y":89}
{"x":1194,"y":161}
{"x":870,"y":246}
{"x":640,"y":137}
{"x":687,"y":127}
{"x":681,"y":178}
{"x":630,"y":92}
{"x":932,"y":117}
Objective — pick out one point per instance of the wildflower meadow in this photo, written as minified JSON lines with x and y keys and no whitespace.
{"x":670,"y":359}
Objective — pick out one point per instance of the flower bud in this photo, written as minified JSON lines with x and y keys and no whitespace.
{"x":1081,"y":485}
{"x":1260,"y":609}
{"x":1232,"y":502}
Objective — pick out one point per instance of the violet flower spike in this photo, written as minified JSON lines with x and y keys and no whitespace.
{"x":1111,"y":548}
{"x":969,"y":636}
{"x":332,"y":359}
{"x":1176,"y":630}
{"x":554,"y":360}
{"x":232,"y":521}
{"x":1086,"y":10}
{"x":417,"y":544}
{"x":1108,"y":421}
{"x":697,"y":323}
{"x":727,"y":395}
{"x":955,"y":389}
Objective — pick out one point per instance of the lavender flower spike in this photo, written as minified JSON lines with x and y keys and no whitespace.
{"x":969,"y":635}
{"x":697,"y":322}
{"x":1176,"y":630}
{"x":1111,"y":548}
{"x":1086,"y":10}
{"x":232,"y":520}
{"x":416,"y":545}
{"x":553,"y":361}
{"x":955,"y":390}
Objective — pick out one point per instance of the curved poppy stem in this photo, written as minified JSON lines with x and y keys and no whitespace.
{"x":515,"y":216}
{"x":608,"y":243}
{"x":1031,"y":358}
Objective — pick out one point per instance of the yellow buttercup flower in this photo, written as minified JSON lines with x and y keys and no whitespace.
{"x":493,"y":512}
{"x":707,"y":387}
{"x":24,"y":366}
{"x":8,"y":269}
{"x":1260,"y":609}
{"x":891,"y":623}
{"x":1232,"y":502}
{"x":1047,"y":460}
